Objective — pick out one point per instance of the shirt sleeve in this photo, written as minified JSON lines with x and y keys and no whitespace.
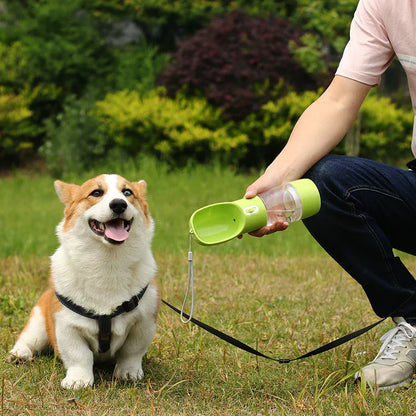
{"x":368,"y":52}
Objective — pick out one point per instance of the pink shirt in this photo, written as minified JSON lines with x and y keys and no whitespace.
{"x":381,"y":30}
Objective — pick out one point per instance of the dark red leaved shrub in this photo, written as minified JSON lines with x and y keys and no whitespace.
{"x":231,"y":59}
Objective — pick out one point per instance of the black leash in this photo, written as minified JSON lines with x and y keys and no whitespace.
{"x":329,"y":346}
{"x":247,"y":348}
{"x":233,"y":341}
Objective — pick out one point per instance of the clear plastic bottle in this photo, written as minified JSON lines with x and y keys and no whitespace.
{"x":291,"y":202}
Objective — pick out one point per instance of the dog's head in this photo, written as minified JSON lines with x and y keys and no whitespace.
{"x":108,"y":207}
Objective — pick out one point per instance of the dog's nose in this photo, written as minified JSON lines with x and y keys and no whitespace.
{"x":118,"y":205}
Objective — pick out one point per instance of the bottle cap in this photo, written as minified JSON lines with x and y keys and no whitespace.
{"x":218,"y":223}
{"x":309,"y":195}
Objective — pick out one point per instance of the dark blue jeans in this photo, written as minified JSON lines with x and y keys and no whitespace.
{"x":368,"y":208}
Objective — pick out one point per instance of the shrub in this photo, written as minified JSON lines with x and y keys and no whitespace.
{"x":136,"y":67}
{"x":328,"y":19}
{"x":236,"y":62}
{"x":270,"y":128}
{"x":326,"y":22}
{"x":184,"y":129}
{"x":77,"y":46}
{"x":165,"y":21}
{"x":74,"y":141}
{"x":176,"y":129}
{"x":60,"y":50}
{"x":16,"y":129}
{"x":125,"y":124}
{"x":61,"y":43}
{"x":14,"y":66}
{"x":385,"y":131}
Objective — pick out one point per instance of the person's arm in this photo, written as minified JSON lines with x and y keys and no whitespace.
{"x":320,"y":128}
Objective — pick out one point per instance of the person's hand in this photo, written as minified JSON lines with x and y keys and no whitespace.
{"x":278,"y":225}
{"x":262,"y":184}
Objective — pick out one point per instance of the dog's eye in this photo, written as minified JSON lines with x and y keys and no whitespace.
{"x":127,"y":192}
{"x":97,"y":193}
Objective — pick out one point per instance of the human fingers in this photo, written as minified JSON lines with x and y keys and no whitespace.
{"x":278,"y":225}
{"x":262,"y":184}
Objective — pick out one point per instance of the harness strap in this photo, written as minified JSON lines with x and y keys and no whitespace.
{"x":104,"y":333}
{"x":104,"y":321}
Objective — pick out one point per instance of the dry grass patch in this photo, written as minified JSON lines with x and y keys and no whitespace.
{"x":283,"y":306}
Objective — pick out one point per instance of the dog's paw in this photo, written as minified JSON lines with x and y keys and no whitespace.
{"x":77,"y":378}
{"x":20,"y":354}
{"x":128,"y":371}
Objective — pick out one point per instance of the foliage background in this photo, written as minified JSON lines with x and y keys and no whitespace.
{"x":183,"y":81}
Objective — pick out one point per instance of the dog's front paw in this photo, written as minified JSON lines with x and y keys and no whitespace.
{"x":20,"y":353}
{"x":77,"y":378}
{"x":129,"y":371}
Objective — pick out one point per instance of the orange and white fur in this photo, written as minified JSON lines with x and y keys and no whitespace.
{"x":103,"y":260}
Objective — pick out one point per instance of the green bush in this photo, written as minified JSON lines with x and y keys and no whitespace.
{"x":176,"y":129}
{"x":61,"y":43}
{"x":182,"y":129}
{"x":16,"y":129}
{"x":19,"y":126}
{"x":385,"y":130}
{"x":126,"y":124}
{"x":78,"y":46}
{"x":74,"y":140}
{"x":270,"y":128}
{"x":14,"y":66}
{"x":50,"y":51}
{"x":327,"y":23}
{"x":136,"y":67}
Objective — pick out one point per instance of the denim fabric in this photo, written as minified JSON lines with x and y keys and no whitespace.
{"x":368,"y":208}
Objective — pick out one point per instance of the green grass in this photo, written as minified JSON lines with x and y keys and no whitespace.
{"x":279,"y":294}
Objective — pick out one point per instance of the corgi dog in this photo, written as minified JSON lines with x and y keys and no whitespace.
{"x":103,"y":301}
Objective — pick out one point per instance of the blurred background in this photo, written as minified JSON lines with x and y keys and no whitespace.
{"x":186,"y":82}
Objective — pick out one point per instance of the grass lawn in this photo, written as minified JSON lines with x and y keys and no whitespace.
{"x":280,"y":294}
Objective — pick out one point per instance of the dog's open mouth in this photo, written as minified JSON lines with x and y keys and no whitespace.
{"x":114,"y":231}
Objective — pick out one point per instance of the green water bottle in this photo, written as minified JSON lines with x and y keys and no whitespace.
{"x":218,"y":223}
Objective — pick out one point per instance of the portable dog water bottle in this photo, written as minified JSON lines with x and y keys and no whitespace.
{"x":218,"y":223}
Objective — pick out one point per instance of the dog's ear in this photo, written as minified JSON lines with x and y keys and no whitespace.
{"x":65,"y":191}
{"x":140,"y":189}
{"x":142,"y":186}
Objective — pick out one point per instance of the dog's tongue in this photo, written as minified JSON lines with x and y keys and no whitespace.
{"x":115,"y":230}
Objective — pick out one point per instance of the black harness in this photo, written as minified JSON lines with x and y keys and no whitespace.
{"x":104,"y":321}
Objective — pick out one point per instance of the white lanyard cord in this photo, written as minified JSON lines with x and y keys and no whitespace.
{"x":190,"y":286}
